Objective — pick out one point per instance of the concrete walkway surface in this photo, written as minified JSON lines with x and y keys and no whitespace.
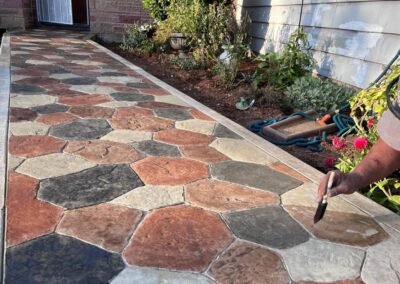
{"x":114,"y":178}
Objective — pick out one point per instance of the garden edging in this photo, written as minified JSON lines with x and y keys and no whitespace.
{"x":383,"y":216}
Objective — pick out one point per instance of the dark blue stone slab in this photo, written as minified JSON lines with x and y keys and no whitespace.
{"x":132,"y":97}
{"x":52,"y":108}
{"x":81,"y":129}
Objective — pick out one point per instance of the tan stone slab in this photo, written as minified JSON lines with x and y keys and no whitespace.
{"x":117,"y":104}
{"x":28,"y":101}
{"x":150,"y":197}
{"x":15,"y":78}
{"x":83,"y":62}
{"x":62,"y":76}
{"x":39,"y":62}
{"x":14,"y":162}
{"x":196,"y":125}
{"x":223,"y":196}
{"x":241,"y":150}
{"x":53,"y":165}
{"x":305,"y":196}
{"x":127,"y":136}
{"x":171,"y":99}
{"x":118,"y":79}
{"x":93,"y":89}
{"x":28,"y":128}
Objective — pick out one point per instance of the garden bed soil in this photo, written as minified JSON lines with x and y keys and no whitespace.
{"x":203,"y":86}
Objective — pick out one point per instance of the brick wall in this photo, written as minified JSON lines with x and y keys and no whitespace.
{"x":108,"y":17}
{"x":16,"y":14}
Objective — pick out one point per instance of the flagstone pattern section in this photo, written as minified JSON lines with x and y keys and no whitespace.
{"x":113,"y":178}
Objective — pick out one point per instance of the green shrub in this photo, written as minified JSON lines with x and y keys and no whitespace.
{"x":156,"y":8}
{"x":313,"y":93}
{"x":184,"y":63}
{"x":136,"y":39}
{"x":281,"y":70}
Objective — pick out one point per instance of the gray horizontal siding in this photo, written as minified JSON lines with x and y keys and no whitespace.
{"x":357,"y":38}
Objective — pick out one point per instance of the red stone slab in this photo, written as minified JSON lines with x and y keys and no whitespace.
{"x":104,"y":152}
{"x":181,"y":238}
{"x":183,"y":137}
{"x":126,"y":112}
{"x":139,"y":122}
{"x":27,"y":217}
{"x":105,"y":225}
{"x":169,"y":171}
{"x":280,"y":167}
{"x":32,"y":145}
{"x":356,"y":281}
{"x":55,"y":118}
{"x":199,"y":115}
{"x":203,"y":153}
{"x":248,"y":263}
{"x":223,"y":196}
{"x":159,"y":105}
{"x":84,"y":100}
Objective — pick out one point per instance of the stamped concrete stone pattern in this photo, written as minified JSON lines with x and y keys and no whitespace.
{"x":114,"y":178}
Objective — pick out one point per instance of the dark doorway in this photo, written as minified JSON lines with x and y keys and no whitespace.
{"x":80,"y":12}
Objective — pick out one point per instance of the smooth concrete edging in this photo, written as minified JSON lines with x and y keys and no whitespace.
{"x":5,"y":82}
{"x":382,"y":215}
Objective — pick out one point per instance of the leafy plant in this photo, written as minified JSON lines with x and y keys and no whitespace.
{"x":183,"y":16}
{"x":313,"y":93}
{"x":184,"y":63}
{"x":136,"y":39}
{"x":281,"y":70}
{"x":367,"y":107}
{"x":156,"y":8}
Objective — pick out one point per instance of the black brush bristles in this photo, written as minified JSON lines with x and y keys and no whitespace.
{"x":319,"y":214}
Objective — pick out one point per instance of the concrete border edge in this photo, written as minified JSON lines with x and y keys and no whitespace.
{"x":5,"y":83}
{"x":379,"y":213}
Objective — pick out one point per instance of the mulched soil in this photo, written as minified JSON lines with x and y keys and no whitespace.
{"x":203,"y":85}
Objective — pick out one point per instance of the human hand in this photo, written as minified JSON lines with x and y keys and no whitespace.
{"x":342,"y":184}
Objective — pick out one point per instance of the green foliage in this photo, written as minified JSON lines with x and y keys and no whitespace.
{"x":184,"y":63}
{"x":313,"y":93}
{"x":211,"y":31}
{"x":281,"y":70}
{"x":183,"y":16}
{"x":136,"y":39}
{"x":156,"y":8}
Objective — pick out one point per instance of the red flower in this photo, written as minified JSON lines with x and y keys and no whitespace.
{"x":370,"y":122}
{"x":361,"y":143}
{"x":329,"y":161}
{"x":338,"y":142}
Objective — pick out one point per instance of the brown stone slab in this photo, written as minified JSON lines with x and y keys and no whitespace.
{"x":105,"y":225}
{"x":104,"y":152}
{"x":125,"y":112}
{"x":199,"y":115}
{"x":27,"y":217}
{"x":355,"y":281}
{"x":280,"y":167}
{"x":169,"y":170}
{"x":89,"y":111}
{"x":203,"y":153}
{"x":248,"y":263}
{"x":183,"y":137}
{"x":222,"y":196}
{"x":84,"y":100}
{"x":181,"y":238}
{"x":158,"y":105}
{"x":340,"y":227}
{"x":140,"y":122}
{"x":55,"y":118}
{"x":33,"y":145}
{"x":21,"y":114}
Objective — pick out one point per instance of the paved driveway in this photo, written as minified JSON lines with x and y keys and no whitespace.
{"x":113,"y":178}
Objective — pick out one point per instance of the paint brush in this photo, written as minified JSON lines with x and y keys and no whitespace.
{"x":319,"y":214}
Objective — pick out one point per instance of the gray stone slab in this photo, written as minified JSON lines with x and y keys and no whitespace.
{"x":25,"y":88}
{"x":254,"y":175}
{"x":153,"y":148}
{"x":60,"y":259}
{"x":113,"y":74}
{"x":137,"y":275}
{"x":223,"y":132}
{"x":142,"y":86}
{"x":51,"y":108}
{"x":323,"y":262}
{"x":270,"y":226}
{"x":81,"y":129}
{"x":132,"y":97}
{"x":80,"y":81}
{"x":174,"y":114}
{"x":93,"y":186}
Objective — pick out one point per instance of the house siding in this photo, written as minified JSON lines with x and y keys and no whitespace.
{"x":352,"y":40}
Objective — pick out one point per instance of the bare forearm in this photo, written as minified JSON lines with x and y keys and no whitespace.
{"x":380,"y":162}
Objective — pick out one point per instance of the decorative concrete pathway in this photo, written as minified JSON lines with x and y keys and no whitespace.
{"x":112,"y":178}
